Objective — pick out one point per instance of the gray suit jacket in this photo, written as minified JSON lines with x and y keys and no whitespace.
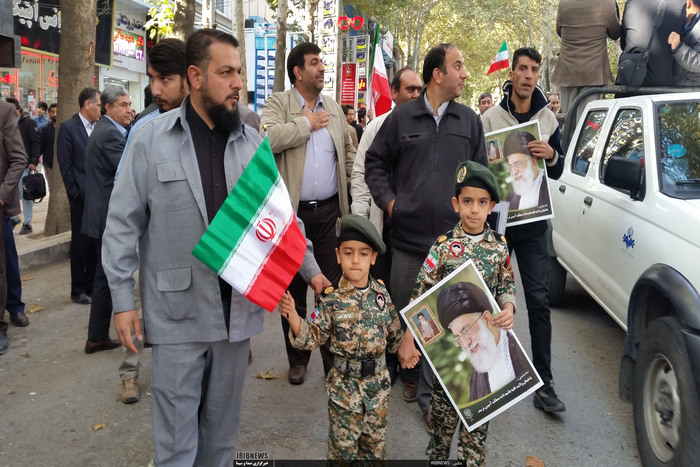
{"x":102,"y":155}
{"x":158,"y":203}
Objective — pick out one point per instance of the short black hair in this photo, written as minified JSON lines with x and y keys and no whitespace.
{"x":347,"y":108}
{"x":43,"y":105}
{"x":526,"y":52}
{"x":54,"y":105}
{"x":87,"y":94}
{"x":361,"y":112}
{"x":296,"y":57}
{"x":14,"y":102}
{"x":168,"y":57}
{"x":197,"y":47}
{"x":147,"y":95}
{"x":435,"y":58}
{"x":396,"y":82}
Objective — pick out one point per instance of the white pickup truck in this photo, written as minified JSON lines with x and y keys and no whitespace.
{"x":627,"y":227}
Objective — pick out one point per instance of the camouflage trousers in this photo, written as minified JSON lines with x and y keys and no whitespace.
{"x":356,"y":435}
{"x":443,"y":420}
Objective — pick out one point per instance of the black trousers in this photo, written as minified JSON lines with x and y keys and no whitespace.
{"x":82,"y":252}
{"x":320,"y":229}
{"x":529,"y":242}
{"x":101,"y":307}
{"x":3,"y":277}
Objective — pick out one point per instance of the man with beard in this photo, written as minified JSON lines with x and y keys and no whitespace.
{"x":176,"y":174}
{"x":494,"y":353}
{"x":314,"y":154}
{"x":47,"y":137}
{"x":529,"y":183}
{"x":524,"y":101}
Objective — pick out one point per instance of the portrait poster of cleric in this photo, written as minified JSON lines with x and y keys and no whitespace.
{"x":483,"y":368}
{"x":522,"y":178}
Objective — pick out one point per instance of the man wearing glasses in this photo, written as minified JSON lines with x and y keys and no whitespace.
{"x":529,"y":182}
{"x":464,"y":309}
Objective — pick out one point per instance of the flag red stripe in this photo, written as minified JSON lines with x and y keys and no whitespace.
{"x":278,"y":271}
{"x":498,"y":66}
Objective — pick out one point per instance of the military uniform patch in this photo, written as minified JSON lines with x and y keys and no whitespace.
{"x":337,"y":227}
{"x":381,"y":301}
{"x":442,"y":238}
{"x":346,"y":314}
{"x":461,"y":174}
{"x":381,"y":282}
{"x":430,"y":262}
{"x":456,"y":248}
{"x":328,"y":290}
{"x":315,"y":314}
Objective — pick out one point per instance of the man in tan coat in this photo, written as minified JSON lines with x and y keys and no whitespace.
{"x":308,"y":134}
{"x":583,"y":61}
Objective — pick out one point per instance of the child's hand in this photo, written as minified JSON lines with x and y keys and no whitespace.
{"x":286,"y":306}
{"x":504,"y":319}
{"x":408,"y":353}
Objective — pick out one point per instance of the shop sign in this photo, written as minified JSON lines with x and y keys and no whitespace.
{"x":128,"y":45}
{"x":38,"y":23}
{"x":347,"y":85}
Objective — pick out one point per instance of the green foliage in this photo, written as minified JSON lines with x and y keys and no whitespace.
{"x":162,"y":13}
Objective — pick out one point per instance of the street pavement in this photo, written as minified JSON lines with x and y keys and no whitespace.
{"x":60,"y":407}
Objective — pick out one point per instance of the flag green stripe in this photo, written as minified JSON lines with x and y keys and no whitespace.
{"x":240,"y":208}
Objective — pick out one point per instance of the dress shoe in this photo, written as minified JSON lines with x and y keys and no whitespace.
{"x":83,"y":299}
{"x":297,"y":374}
{"x":410,"y":391}
{"x":130,"y":390}
{"x":4,"y":343}
{"x":98,"y":346}
{"x":546,"y":399}
{"x":19,"y":319}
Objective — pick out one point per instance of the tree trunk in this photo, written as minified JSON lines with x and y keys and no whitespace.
{"x":77,"y":66}
{"x":208,"y":13}
{"x":311,"y":9}
{"x":183,"y":19}
{"x":280,"y":45}
{"x":239,"y":21}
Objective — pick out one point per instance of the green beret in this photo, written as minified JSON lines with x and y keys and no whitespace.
{"x":460,"y":299}
{"x":354,"y":227}
{"x":470,"y":173}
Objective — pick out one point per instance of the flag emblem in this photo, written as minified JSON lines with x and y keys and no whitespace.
{"x":265,"y":230}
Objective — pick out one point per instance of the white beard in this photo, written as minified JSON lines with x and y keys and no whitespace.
{"x":526,"y":183}
{"x":487,"y":355}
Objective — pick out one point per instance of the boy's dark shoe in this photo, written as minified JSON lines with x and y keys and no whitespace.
{"x":19,"y":319}
{"x":297,"y":374}
{"x":546,"y":399}
{"x":26,"y":229}
{"x":410,"y":391}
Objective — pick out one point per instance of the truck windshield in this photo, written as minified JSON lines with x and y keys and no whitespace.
{"x":679,"y":148}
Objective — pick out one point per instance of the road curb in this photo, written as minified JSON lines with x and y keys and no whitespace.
{"x":45,"y":251}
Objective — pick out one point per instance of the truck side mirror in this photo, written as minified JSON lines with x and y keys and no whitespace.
{"x":625,"y":174}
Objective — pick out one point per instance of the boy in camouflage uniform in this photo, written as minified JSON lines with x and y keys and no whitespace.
{"x":361,"y":322}
{"x":476,"y":194}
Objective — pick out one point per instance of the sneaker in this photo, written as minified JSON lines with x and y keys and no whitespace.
{"x":546,"y":399}
{"x":26,"y":229}
{"x":130,"y":391}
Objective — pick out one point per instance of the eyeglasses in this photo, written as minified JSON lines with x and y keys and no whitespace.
{"x":457,"y":339}
{"x":520,"y":165}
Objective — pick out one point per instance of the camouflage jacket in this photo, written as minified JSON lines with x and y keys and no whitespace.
{"x":453,"y":249}
{"x":360,"y":325}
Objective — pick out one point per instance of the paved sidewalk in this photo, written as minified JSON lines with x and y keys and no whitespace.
{"x":37,"y":251}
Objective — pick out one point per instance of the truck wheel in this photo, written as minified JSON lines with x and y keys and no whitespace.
{"x":557,"y":283}
{"x":666,"y":404}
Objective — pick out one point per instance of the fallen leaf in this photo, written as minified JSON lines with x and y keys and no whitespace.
{"x":34,"y":308}
{"x":269,"y":374}
{"x":533,"y":461}
{"x":28,"y":277}
{"x":99,"y":426}
{"x":148,"y":393}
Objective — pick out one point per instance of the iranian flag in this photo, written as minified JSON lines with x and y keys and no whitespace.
{"x":381,"y":95}
{"x":501,"y":60}
{"x":254,"y":242}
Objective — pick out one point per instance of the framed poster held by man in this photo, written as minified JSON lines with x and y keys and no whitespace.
{"x":522,"y":178}
{"x":483,"y":369}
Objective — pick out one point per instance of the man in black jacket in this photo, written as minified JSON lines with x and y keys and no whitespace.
{"x":30,"y":138}
{"x":419,"y":146}
{"x":47,"y":138}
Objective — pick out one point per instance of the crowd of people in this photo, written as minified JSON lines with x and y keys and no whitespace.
{"x":375,"y":197}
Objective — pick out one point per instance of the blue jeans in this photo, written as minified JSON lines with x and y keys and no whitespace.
{"x":14,"y":302}
{"x":27,"y":204}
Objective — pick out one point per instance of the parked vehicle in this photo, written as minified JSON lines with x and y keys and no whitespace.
{"x":627,"y":228}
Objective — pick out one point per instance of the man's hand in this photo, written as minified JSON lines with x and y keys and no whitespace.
{"x":504,"y":319}
{"x":675,"y":40}
{"x":541,"y":149}
{"x":318,"y":283}
{"x":32,"y":167}
{"x":390,"y":207}
{"x":317,"y":119}
{"x":123,"y":323}
{"x":408,"y":353}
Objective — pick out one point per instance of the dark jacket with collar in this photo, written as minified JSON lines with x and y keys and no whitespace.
{"x":71,"y":141}
{"x":422,"y":158}
{"x":47,"y":137}
{"x":686,"y":58}
{"x":30,"y":138}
